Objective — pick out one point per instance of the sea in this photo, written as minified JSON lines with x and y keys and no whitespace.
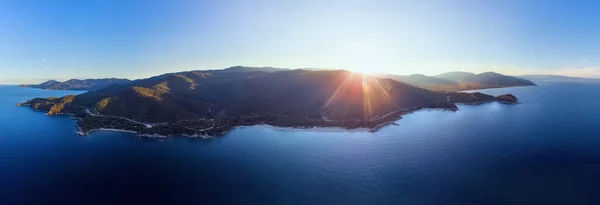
{"x":544,"y":150}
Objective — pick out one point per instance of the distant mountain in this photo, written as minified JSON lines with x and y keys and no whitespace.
{"x":457,"y":76}
{"x":74,"y":84}
{"x":212,"y":102}
{"x":457,"y":81}
{"x":253,"y":69}
{"x":49,"y":83}
{"x":559,"y":78}
{"x":423,"y":81}
{"x":468,"y":81}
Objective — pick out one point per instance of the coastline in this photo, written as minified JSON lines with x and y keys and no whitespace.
{"x":269,"y":126}
{"x":104,"y":129}
{"x":491,"y":88}
{"x":385,"y":120}
{"x":278,"y":128}
{"x":88,"y":122}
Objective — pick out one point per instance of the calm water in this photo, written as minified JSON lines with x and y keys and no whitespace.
{"x":544,"y":150}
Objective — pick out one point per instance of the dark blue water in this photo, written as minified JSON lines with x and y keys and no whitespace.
{"x":544,"y":150}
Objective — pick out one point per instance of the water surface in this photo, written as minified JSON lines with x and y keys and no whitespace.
{"x":544,"y":150}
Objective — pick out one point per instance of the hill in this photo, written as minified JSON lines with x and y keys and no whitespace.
{"x":470,"y":81}
{"x":75,"y":84}
{"x":559,"y":78}
{"x":253,"y":69}
{"x":457,"y":81}
{"x":209,"y":103}
{"x":423,"y":81}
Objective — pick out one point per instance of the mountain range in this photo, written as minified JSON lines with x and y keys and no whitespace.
{"x":451,"y":81}
{"x":75,"y":84}
{"x":560,"y":78}
{"x":457,"y":81}
{"x":210,"y":102}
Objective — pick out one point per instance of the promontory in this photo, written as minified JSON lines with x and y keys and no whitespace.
{"x":211,"y":102}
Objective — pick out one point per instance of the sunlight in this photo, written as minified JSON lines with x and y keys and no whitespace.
{"x":338,"y":89}
{"x":374,"y":94}
{"x":383,"y":90}
{"x":366,"y":93}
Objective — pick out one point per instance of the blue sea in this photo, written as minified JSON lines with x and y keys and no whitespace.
{"x":545,"y":150}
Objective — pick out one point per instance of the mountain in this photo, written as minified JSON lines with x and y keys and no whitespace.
{"x":209,"y":103}
{"x":423,"y":81}
{"x":253,"y":69}
{"x":559,"y":78}
{"x":49,"y":83}
{"x":74,"y":84}
{"x":470,"y":81}
{"x":456,"y":81}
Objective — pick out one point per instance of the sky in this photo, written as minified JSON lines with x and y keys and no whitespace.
{"x":63,"y":39}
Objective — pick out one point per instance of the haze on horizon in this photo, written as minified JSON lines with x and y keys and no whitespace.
{"x":42,"y":40}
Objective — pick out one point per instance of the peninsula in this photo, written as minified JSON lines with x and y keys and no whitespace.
{"x":211,"y":102}
{"x":75,"y":84}
{"x":458,"y":81}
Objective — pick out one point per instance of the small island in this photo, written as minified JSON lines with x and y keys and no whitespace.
{"x":211,"y":103}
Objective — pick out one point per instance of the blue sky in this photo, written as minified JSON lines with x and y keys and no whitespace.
{"x":65,"y":39}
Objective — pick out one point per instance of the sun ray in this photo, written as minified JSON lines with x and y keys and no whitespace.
{"x":366,"y":93}
{"x":385,"y":92}
{"x":343,"y":84}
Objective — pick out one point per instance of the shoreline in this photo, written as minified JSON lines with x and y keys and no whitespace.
{"x":491,"y":88}
{"x":273,"y":127}
{"x":81,"y":133}
{"x":268,"y":126}
{"x":223,"y":125}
